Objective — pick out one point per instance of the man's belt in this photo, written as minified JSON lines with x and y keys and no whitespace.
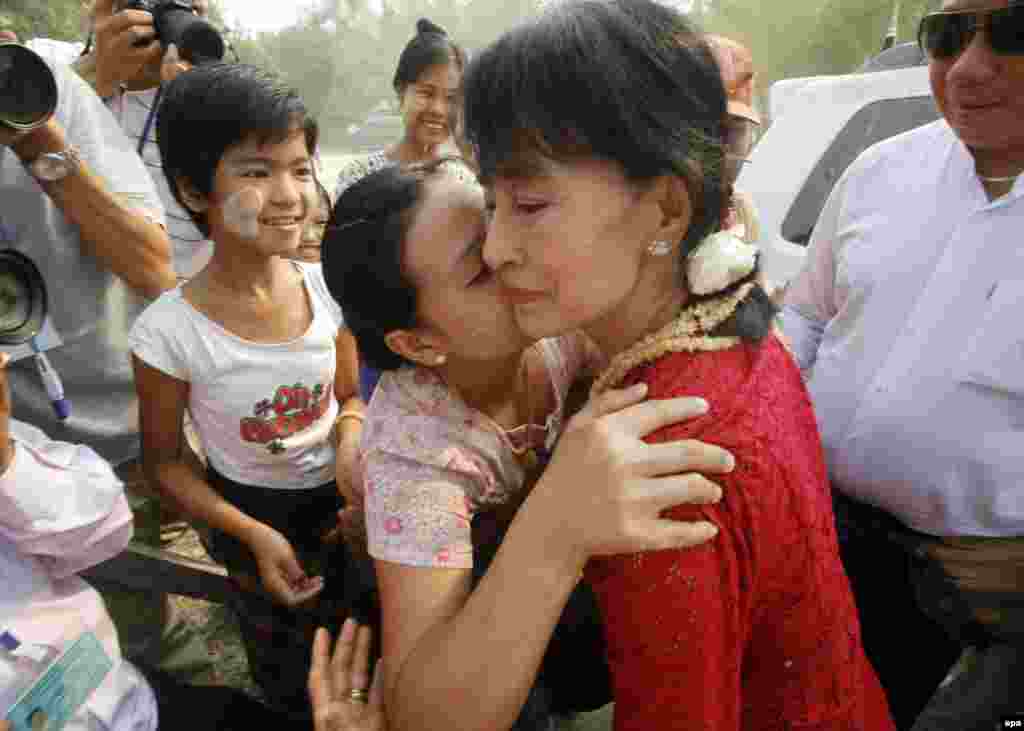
{"x":973,"y":586}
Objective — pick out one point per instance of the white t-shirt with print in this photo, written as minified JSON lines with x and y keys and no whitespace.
{"x":263,"y":411}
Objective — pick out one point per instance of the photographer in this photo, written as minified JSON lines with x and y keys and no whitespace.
{"x":76,"y":200}
{"x":90,"y":218}
{"x":126,"y":63}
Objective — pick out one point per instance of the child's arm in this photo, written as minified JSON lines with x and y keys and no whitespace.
{"x":346,"y":374}
{"x":350,"y":422}
{"x":162,"y":400}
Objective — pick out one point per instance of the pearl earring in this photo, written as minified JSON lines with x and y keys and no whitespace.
{"x":659,"y":248}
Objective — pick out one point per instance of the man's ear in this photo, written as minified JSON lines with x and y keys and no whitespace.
{"x":417,"y":347}
{"x":194,"y":200}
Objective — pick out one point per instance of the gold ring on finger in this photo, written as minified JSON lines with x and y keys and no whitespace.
{"x":358,"y":695}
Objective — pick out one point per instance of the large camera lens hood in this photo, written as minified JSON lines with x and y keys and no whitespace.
{"x":196,"y":39}
{"x":26,"y":285}
{"x":28,"y":89}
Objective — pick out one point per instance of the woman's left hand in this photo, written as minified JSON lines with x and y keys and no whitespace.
{"x":335,"y":682}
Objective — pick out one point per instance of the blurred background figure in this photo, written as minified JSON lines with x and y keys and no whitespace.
{"x":737,"y":66}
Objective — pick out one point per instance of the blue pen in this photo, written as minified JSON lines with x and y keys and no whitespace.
{"x":52,"y":383}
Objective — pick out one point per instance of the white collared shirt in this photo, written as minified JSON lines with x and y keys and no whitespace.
{"x":908,"y":322}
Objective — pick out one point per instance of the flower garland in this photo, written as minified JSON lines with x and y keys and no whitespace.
{"x":687,"y":333}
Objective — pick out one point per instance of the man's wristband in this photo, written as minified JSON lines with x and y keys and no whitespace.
{"x":49,"y":167}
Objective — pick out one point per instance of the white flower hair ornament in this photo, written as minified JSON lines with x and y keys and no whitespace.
{"x":722,"y":259}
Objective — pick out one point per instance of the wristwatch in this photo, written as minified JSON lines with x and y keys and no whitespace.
{"x":53,"y":166}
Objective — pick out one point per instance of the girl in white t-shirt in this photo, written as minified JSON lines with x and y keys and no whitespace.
{"x":253,"y":347}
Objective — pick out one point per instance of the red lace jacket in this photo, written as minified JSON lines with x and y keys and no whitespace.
{"x":756,"y":630}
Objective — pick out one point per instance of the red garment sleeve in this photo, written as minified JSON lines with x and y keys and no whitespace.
{"x":677,"y":621}
{"x":757,"y":628}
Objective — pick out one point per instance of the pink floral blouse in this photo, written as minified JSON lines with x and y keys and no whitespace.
{"x":430,"y":462}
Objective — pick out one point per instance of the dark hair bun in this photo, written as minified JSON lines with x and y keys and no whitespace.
{"x":424,"y":26}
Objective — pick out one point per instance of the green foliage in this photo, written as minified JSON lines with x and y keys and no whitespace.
{"x":63,"y":20}
{"x":790,"y":38}
{"x":58,"y":19}
{"x":341,"y":55}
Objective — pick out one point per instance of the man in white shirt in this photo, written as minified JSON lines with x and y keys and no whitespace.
{"x":907,"y":324}
{"x":75,"y":200}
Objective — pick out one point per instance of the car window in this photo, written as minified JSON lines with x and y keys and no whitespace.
{"x":875,"y":122}
{"x":379,"y":130}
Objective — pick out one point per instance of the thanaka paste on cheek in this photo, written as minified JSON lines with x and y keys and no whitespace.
{"x":311,"y":207}
{"x":242,"y":213}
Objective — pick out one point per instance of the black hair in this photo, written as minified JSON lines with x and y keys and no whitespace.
{"x":214,"y":106}
{"x":629,"y":81}
{"x":362,"y":256}
{"x":431,"y":46}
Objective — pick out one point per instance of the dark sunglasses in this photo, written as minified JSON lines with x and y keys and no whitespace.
{"x":946,"y":34}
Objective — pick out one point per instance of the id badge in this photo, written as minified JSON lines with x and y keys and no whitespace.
{"x":57,"y":694}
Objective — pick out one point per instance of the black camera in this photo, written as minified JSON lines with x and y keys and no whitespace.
{"x":28,"y":89}
{"x":23,"y":301}
{"x":174,"y":21}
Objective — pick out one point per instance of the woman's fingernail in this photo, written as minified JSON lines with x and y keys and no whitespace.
{"x":639,"y":388}
{"x":729,"y":462}
{"x":348,"y":630}
{"x":700,"y":406}
{"x":711,"y":529}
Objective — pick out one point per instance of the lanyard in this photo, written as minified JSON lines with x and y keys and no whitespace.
{"x":6,"y":235}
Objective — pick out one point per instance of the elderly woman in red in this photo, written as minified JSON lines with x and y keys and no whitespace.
{"x":598,"y":126}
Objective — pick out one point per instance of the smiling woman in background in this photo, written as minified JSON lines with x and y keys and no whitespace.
{"x":427,"y":81}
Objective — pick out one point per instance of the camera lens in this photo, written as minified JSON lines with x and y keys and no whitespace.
{"x":28,"y":91}
{"x":197,"y":40}
{"x":23,"y":303}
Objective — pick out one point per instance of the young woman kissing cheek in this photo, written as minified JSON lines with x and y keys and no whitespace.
{"x":463,"y":318}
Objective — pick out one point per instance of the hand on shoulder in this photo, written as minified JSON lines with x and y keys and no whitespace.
{"x":603,"y":470}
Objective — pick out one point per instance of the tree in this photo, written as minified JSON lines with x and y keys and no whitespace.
{"x":58,"y":19}
{"x":791,"y":38}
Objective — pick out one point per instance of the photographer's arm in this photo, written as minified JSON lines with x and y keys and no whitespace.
{"x":126,"y":50}
{"x":350,"y":428}
{"x":128,"y":243}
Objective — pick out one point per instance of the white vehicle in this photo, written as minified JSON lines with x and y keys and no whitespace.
{"x":819,"y":126}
